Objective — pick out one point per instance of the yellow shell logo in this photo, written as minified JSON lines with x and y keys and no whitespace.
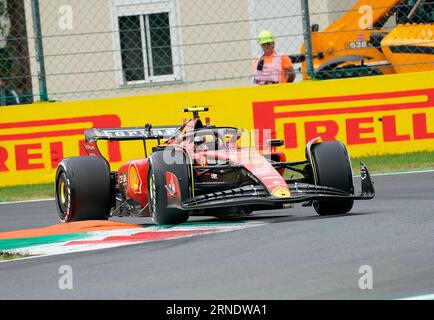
{"x":281,"y":193}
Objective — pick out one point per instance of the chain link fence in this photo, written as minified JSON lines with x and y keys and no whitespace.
{"x":79,"y":49}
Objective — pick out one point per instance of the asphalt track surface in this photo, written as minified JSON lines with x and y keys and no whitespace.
{"x":295,"y":255}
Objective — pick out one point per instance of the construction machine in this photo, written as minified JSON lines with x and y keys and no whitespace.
{"x":363,"y":42}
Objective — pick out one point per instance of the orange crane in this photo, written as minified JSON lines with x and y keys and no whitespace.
{"x":359,"y":43}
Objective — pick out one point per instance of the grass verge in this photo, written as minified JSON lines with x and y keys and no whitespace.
{"x":5,"y":256}
{"x":29,"y":192}
{"x":376,"y":164}
{"x":396,"y":162}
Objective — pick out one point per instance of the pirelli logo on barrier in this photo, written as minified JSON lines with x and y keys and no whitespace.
{"x":41,"y":144}
{"x":392,"y":119}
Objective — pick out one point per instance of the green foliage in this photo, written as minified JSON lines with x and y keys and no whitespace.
{"x":5,"y":63}
{"x":10,"y":256}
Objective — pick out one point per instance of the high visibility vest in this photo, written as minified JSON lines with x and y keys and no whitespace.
{"x":270,"y":73}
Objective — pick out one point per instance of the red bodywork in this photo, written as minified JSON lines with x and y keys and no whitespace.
{"x":253,"y":161}
{"x":139,"y":194}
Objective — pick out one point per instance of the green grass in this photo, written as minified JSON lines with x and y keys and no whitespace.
{"x":29,"y":192}
{"x":376,"y":164}
{"x":395,"y":163}
{"x":4,"y":256}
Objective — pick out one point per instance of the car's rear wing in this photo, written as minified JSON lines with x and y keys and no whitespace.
{"x":92,"y":136}
{"x":134,"y":133}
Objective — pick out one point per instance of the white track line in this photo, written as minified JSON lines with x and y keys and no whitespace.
{"x":26,"y":201}
{"x":401,"y":173}
{"x":397,"y":173}
{"x":424,"y":297}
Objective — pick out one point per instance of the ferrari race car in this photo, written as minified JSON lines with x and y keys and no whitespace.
{"x":200,"y":169}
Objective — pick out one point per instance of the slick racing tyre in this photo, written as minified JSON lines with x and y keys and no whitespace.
{"x":157,"y":185}
{"x":333,"y":169}
{"x":83,"y":189}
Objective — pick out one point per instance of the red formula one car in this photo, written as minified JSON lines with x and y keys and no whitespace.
{"x":202,"y":170}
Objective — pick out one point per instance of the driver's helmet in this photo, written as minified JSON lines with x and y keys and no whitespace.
{"x":206,"y":142}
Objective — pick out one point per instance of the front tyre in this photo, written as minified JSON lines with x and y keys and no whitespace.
{"x":332,"y":165}
{"x":157,"y":191}
{"x":83,"y":189}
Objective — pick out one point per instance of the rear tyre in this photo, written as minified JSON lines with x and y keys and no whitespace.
{"x":333,"y":169}
{"x":83,"y":189}
{"x":157,"y":192}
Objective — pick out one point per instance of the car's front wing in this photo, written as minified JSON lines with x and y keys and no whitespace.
{"x":258,"y":195}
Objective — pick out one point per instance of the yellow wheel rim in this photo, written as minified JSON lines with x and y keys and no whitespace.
{"x":62,"y":192}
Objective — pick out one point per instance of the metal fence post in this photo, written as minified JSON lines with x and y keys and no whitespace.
{"x":42,"y":79}
{"x":307,"y":37}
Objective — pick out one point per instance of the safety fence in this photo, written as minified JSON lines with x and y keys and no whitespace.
{"x":76,"y":49}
